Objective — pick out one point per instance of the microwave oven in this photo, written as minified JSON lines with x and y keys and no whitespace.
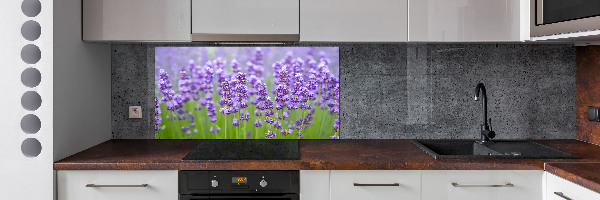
{"x":564,"y":17}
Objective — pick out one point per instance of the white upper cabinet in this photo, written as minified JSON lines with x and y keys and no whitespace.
{"x":245,"y":20}
{"x":136,"y":20}
{"x":468,"y":20}
{"x":354,"y":20}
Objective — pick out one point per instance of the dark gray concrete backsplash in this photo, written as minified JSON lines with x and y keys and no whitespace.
{"x":397,"y":91}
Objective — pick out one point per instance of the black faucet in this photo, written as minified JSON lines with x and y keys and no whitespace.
{"x":486,"y":129}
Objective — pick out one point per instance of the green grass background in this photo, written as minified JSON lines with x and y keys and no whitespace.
{"x":321,"y":126}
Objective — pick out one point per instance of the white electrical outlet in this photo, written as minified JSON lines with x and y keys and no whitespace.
{"x":135,"y":111}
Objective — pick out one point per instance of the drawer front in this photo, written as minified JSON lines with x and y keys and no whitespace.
{"x":566,"y":190}
{"x":482,"y":184}
{"x":407,"y":185}
{"x":161,"y":185}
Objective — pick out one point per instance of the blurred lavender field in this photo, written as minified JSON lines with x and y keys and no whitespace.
{"x":247,"y":93}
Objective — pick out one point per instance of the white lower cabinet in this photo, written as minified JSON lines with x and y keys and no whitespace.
{"x":314,"y":184}
{"x":482,"y":184}
{"x":561,"y":189}
{"x":117,"y":185}
{"x":375,"y":185}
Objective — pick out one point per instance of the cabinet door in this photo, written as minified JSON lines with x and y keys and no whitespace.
{"x":314,"y":184}
{"x":561,"y":189}
{"x":468,"y":20}
{"x":371,"y":185}
{"x":245,"y":16}
{"x":354,"y":20}
{"x":482,"y":184}
{"x":117,"y":185}
{"x":136,"y":20}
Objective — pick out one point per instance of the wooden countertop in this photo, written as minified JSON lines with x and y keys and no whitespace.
{"x":581,"y":173}
{"x":314,"y":155}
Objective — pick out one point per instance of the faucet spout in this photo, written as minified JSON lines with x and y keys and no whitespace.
{"x":486,"y":132}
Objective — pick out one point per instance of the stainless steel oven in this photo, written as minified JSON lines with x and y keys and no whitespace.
{"x":235,"y":185}
{"x":553,"y":17}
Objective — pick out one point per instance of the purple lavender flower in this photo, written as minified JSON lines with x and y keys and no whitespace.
{"x":235,"y":66}
{"x":285,"y":115}
{"x":255,"y":65}
{"x":215,"y":130}
{"x":269,"y":113}
{"x":281,"y":98}
{"x":257,"y":112}
{"x":312,"y":82}
{"x":184,"y":129}
{"x":270,"y":134}
{"x":258,"y":57}
{"x":235,"y":122}
{"x":334,"y":137}
{"x":285,"y":132}
{"x":244,"y":116}
{"x":309,"y":117}
{"x":191,"y":117}
{"x":184,"y":85}
{"x":269,"y":120}
{"x":258,"y":123}
{"x":277,"y":124}
{"x":211,"y":111}
{"x":336,"y":125}
{"x":298,"y":122}
{"x":157,"y":117}
{"x":166,"y":90}
{"x":276,"y":69}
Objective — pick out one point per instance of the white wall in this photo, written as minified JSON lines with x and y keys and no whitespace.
{"x":82,"y":84}
{"x":75,"y":92}
{"x":24,"y":177}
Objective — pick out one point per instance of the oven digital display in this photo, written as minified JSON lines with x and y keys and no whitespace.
{"x":239,"y":180}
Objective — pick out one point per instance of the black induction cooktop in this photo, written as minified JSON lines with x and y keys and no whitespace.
{"x":245,"y":150}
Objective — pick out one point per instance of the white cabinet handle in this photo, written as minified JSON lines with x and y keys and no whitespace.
{"x":505,"y":185}
{"x":560,"y":194}
{"x":94,"y":185}
{"x":367,"y":184}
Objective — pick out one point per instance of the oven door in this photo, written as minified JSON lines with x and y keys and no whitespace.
{"x":236,"y":197}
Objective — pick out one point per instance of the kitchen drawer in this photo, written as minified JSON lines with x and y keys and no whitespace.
{"x":162,"y":185}
{"x":568,"y":189}
{"x":482,"y":184}
{"x":342,"y":184}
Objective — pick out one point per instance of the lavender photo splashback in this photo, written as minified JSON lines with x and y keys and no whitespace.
{"x":247,"y":93}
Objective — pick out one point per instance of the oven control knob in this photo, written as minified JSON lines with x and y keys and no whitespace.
{"x":214,"y":183}
{"x":263,"y":183}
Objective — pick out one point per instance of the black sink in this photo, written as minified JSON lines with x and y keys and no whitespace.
{"x":493,"y":149}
